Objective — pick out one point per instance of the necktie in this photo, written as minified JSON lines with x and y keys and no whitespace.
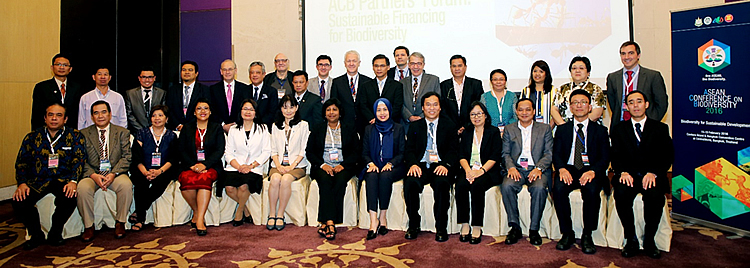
{"x":638,"y":133}
{"x":626,"y":114}
{"x":577,"y":157}
{"x":62,"y":91}
{"x":430,"y":145}
{"x":323,"y":89}
{"x":414,"y":89}
{"x":185,"y":97}
{"x":147,"y":103}
{"x":229,"y":98}
{"x":102,"y":149}
{"x":401,"y":74}
{"x":351,"y":86}
{"x":255,"y":93}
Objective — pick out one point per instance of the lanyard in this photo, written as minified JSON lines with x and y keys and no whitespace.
{"x":431,"y":132}
{"x":582,"y":139}
{"x":202,"y":134}
{"x":164,"y":131}
{"x":281,"y":82}
{"x":499,"y":102}
{"x":354,"y":84}
{"x":288,"y":132}
{"x":632,"y":80}
{"x":51,"y":142}
{"x":330,"y":133}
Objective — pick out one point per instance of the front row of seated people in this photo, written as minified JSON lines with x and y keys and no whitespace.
{"x":53,"y":158}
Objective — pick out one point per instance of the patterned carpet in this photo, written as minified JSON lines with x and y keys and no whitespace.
{"x":254,"y":246}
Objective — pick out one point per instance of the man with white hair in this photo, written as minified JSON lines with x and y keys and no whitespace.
{"x":345,"y":89}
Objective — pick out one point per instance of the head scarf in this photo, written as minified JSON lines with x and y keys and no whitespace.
{"x":381,"y":137}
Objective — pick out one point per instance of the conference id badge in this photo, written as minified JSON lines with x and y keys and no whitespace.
{"x":155,"y":159}
{"x":585,"y":158}
{"x":524,"y":162}
{"x":201,"y":155}
{"x":539,"y":119}
{"x":333,"y":155}
{"x":184,"y":110}
{"x":53,"y":161}
{"x":104,"y":165}
{"x":476,"y":166}
{"x":433,"y":156}
{"x":285,"y":161}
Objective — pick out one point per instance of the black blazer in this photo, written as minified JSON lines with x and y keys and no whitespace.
{"x":655,"y":153}
{"x":310,"y":109}
{"x":47,"y":93}
{"x":369,"y":93}
{"x":472,"y":92}
{"x":340,"y":90}
{"x":268,"y":102}
{"x":399,"y":146}
{"x":174,"y":102}
{"x":214,"y":143}
{"x":491,"y":148}
{"x":349,"y":143}
{"x":271,"y":77}
{"x":219,"y":111}
{"x":447,"y":142}
{"x":597,"y":144}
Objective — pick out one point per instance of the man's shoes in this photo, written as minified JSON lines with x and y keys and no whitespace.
{"x":567,"y":240}
{"x":649,"y":248}
{"x":534,"y":238}
{"x":371,"y":234}
{"x":32,"y":243}
{"x":441,"y":236}
{"x":412,"y":233}
{"x":119,"y":230}
{"x":55,"y":240}
{"x":587,"y":244}
{"x":513,"y":236}
{"x":88,"y":234}
{"x":631,"y":248}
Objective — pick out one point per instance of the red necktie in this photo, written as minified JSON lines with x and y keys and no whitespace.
{"x":62,"y":90}
{"x":323,"y":89}
{"x":351,"y":86}
{"x":629,"y":84}
{"x":401,"y":74}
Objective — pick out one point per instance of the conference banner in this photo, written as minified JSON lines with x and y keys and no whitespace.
{"x":711,"y":120}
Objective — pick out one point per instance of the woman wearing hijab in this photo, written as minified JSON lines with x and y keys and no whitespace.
{"x":383,"y":153}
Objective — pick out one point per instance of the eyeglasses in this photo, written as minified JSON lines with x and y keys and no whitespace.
{"x":227,"y":70}
{"x":476,"y":115}
{"x":326,"y":65}
{"x":280,"y":60}
{"x":416,"y":63}
{"x":147,"y":77}
{"x":576,"y":103}
{"x":61,"y":65}
{"x":379,"y":65}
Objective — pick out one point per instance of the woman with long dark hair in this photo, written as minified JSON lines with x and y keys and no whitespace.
{"x":541,"y":90}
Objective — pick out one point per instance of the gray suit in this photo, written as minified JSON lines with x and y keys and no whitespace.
{"x":313,"y":86}
{"x":138,"y":118}
{"x":541,"y":153}
{"x":650,"y":82}
{"x":119,"y":157}
{"x":428,"y":83}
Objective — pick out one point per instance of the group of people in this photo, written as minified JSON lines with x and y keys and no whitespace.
{"x":403,"y":124}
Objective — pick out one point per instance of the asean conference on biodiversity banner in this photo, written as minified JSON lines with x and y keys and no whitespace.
{"x":711,"y":120}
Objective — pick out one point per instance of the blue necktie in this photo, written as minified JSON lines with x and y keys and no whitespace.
{"x":429,"y":142}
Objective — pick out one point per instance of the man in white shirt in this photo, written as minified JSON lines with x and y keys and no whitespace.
{"x":401,"y":70}
{"x":321,"y":84}
{"x":415,"y":87}
{"x":102,"y":91}
{"x":346,"y":86}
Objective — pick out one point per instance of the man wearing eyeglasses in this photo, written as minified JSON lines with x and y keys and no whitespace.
{"x":140,"y":100}
{"x":58,"y":89}
{"x":281,"y":79}
{"x":415,"y":86}
{"x":227,"y":96}
{"x":321,"y":84}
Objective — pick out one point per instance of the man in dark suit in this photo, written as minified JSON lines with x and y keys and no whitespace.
{"x":432,"y":157}
{"x":321,"y":84}
{"x":56,"y":90}
{"x":401,"y":70}
{"x":416,"y":86}
{"x":182,"y":97}
{"x":642,"y":152}
{"x":227,"y":96}
{"x":634,"y":77}
{"x":527,"y":152}
{"x":310,"y":108}
{"x":140,"y":100}
{"x":263,"y":94}
{"x":380,"y":87}
{"x":345,"y":88}
{"x":280,"y":79}
{"x":581,"y":157}
{"x":458,"y":93}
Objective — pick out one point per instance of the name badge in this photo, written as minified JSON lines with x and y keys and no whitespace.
{"x":66,"y":148}
{"x":184,"y":110}
{"x":201,"y":155}
{"x":524,"y":162}
{"x":501,"y":127}
{"x":585,"y":158}
{"x":155,"y":159}
{"x":539,"y":119}
{"x":53,"y":161}
{"x":433,"y":156}
{"x":285,"y":161}
{"x":476,"y":166}
{"x":333,"y":155}
{"x":104,"y":165}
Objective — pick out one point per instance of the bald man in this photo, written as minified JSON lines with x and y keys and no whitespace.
{"x":227,"y":96}
{"x":281,"y":79}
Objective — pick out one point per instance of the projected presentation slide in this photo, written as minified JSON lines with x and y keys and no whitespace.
{"x":508,"y":34}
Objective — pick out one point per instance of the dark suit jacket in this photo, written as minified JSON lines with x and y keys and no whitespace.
{"x":341,"y":91}
{"x":219,"y":111}
{"x":491,"y":148}
{"x":369,"y":93}
{"x":46,"y":93}
{"x":268,"y":102}
{"x":392,"y":73}
{"x":429,"y":83}
{"x":399,"y":146}
{"x":350,"y":146}
{"x":119,"y":149}
{"x":310,"y":109}
{"x":449,"y":108}
{"x":271,"y":77}
{"x":650,"y":82}
{"x":136,"y":109}
{"x":447,"y":145}
{"x":655,"y":153}
{"x":214,"y":143}
{"x":597,"y":144}
{"x":541,"y":145}
{"x":174,"y":102}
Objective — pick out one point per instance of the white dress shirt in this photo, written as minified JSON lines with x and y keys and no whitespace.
{"x":526,"y":143}
{"x":585,"y":123}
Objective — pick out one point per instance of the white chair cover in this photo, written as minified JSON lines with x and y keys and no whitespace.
{"x":524,"y":215}
{"x":616,"y":235}
{"x":350,"y":203}
{"x":492,"y":203}
{"x":396,"y":214}
{"x":576,"y":208}
{"x":296,"y":209}
{"x":46,"y":206}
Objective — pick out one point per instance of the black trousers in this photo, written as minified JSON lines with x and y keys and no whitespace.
{"x":653,"y":207}
{"x":331,"y":190}
{"x":591,"y":200}
{"x":477,"y":189}
{"x":27,"y":212}
{"x":145,"y":192}
{"x":379,"y":188}
{"x":441,"y":186}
